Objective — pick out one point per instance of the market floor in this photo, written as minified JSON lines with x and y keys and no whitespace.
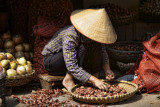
{"x":138,"y":100}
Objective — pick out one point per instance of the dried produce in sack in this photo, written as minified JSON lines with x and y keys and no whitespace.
{"x":46,"y":28}
{"x":149,"y":67}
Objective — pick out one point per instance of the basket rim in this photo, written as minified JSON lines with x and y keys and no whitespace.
{"x":21,"y":76}
{"x":108,"y":47}
{"x":124,"y":17}
{"x":106,"y":98}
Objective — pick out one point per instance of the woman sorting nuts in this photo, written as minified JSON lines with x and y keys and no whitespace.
{"x":78,"y":50}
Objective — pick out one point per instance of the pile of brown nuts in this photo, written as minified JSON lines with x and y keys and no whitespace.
{"x":42,"y":98}
{"x":114,"y":10}
{"x":129,"y":47}
{"x":109,"y":77}
{"x":90,"y":91}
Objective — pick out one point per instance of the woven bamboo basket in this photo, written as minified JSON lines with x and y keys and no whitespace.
{"x":131,"y":89}
{"x":19,"y":80}
{"x":124,"y":56}
{"x":150,"y":18}
{"x":121,"y":16}
{"x":2,"y":90}
{"x":123,"y":20}
{"x":124,"y":67}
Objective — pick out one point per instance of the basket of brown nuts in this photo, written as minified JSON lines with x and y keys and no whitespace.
{"x":119,"y":15}
{"x":126,"y":52}
{"x":149,"y":11}
{"x":116,"y":91}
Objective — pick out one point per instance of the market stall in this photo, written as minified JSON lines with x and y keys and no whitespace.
{"x":27,"y":26}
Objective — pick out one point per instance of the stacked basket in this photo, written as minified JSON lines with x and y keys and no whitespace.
{"x":125,"y":53}
{"x":118,"y":15}
{"x":150,"y":11}
{"x":2,"y":88}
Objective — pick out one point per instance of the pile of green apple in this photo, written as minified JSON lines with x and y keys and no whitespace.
{"x":14,"y":66}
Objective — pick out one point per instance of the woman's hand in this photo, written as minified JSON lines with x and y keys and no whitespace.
{"x":109,"y":75}
{"x":98,"y":83}
{"x":109,"y":72}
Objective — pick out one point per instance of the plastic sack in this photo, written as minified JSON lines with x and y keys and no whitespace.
{"x":148,"y":69}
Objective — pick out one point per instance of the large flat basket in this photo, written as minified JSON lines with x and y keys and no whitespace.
{"x":130,"y":87}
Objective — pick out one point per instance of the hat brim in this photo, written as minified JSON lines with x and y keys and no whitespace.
{"x":85,"y":21}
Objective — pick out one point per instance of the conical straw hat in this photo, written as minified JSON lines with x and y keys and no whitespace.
{"x":94,"y":24}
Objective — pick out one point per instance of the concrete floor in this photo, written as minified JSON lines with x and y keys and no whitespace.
{"x":143,"y":100}
{"x":138,"y":100}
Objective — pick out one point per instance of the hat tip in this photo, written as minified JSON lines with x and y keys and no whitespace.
{"x":102,"y":10}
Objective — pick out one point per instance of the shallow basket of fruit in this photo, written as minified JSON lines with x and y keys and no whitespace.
{"x":19,"y":79}
{"x":116,"y":91}
{"x":18,"y":70}
{"x":126,"y":52}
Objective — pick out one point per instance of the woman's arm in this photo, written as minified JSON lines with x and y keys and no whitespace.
{"x":106,"y":66}
{"x":70,"y":43}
